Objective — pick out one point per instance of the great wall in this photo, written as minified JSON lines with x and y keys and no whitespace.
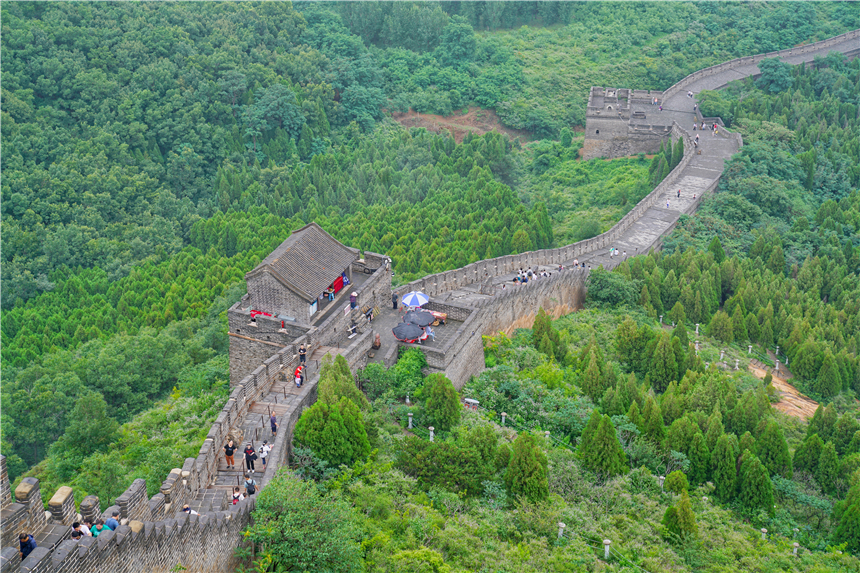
{"x":155,"y":535}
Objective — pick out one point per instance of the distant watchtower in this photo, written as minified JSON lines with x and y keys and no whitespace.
{"x":622,"y":122}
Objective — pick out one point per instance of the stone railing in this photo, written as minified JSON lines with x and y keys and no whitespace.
{"x":682,"y":85}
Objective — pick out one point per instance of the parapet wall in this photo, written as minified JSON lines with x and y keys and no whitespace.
{"x":683,"y":84}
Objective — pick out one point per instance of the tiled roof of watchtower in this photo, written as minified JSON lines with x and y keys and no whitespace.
{"x":308,"y":261}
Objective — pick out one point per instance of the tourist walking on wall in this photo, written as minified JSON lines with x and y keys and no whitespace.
{"x":237,"y":495}
{"x":229,"y":450}
{"x":264,"y":451}
{"x":273,"y":421}
{"x":250,"y":486}
{"x":113,"y":522}
{"x":302,"y":354}
{"x":28,"y":544}
{"x":394,"y":300}
{"x":250,"y":456}
{"x":99,"y":527}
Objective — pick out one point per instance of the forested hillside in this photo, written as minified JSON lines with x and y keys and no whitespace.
{"x":154,"y":153}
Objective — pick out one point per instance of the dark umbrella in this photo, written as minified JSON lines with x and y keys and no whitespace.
{"x":405,"y":331}
{"x":420,"y":317}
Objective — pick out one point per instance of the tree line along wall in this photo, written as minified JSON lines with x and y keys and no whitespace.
{"x":154,"y":536}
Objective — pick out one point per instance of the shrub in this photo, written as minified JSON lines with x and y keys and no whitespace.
{"x":676,"y":482}
{"x":526,"y":476}
{"x":442,"y":407}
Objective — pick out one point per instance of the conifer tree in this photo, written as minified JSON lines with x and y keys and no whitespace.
{"x":679,"y":521}
{"x":823,"y":422}
{"x":670,"y":406}
{"x":653,"y":420}
{"x":755,"y":490}
{"x":608,"y":376}
{"x":715,"y":428}
{"x":844,"y":432}
{"x":335,"y":433}
{"x":443,"y":405}
{"x":336,"y":382}
{"x":753,"y":329}
{"x":700,"y":459}
{"x":846,"y":515}
{"x":747,"y":442}
{"x":721,"y":327}
{"x":591,"y":385}
{"x":587,"y":436}
{"x":724,"y":469}
{"x":676,"y":482}
{"x":807,"y":454}
{"x":739,"y":328}
{"x":678,"y":315}
{"x":772,"y":450}
{"x":814,"y":424}
{"x":766,"y":336}
{"x":664,"y":367}
{"x":605,"y":455}
{"x":828,"y":468}
{"x":829,"y":382}
{"x":680,"y":332}
{"x":635,"y":417}
{"x":716,"y":248}
{"x":526,"y":474}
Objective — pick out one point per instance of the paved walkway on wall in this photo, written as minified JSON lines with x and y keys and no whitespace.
{"x":253,"y":429}
{"x":702,"y":171}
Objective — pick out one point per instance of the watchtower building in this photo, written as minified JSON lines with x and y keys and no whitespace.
{"x":622,"y":122}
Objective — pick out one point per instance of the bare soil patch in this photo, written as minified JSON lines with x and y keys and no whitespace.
{"x":478,"y":121}
{"x":791,"y":402}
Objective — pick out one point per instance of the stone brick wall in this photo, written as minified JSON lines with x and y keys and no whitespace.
{"x":269,"y":295}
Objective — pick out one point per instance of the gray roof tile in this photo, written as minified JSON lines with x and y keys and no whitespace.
{"x":307,"y":262}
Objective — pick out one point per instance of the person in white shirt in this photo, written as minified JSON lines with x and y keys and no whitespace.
{"x":264,"y":451}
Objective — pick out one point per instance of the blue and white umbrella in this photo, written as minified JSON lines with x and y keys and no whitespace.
{"x":415,"y":298}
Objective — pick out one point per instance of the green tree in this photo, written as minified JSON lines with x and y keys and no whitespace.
{"x":846,"y":515}
{"x":724,"y":469}
{"x":336,"y":382}
{"x":716,"y":248}
{"x":775,"y":75}
{"x":700,"y":459}
{"x":676,"y":482}
{"x":828,"y":468}
{"x":679,"y":521}
{"x":653,"y":420}
{"x":605,"y":455}
{"x":664,"y":368}
{"x":828,"y":382}
{"x":755,"y":490}
{"x":591,"y":383}
{"x":443,"y":405}
{"x":721,"y":327}
{"x":586,"y":439}
{"x":772,"y":450}
{"x":526,"y":475}
{"x":807,"y":454}
{"x":335,"y":433}
{"x":739,"y":328}
{"x":303,"y":529}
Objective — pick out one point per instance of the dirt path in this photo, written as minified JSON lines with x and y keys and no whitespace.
{"x":477,"y":120}
{"x":791,"y":401}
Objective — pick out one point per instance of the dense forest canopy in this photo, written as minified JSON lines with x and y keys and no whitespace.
{"x":155,"y":152}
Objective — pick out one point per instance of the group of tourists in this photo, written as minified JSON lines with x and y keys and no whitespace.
{"x":524,"y":276}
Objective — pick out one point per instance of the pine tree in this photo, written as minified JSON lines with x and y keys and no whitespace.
{"x":829,"y":382}
{"x":670,"y":405}
{"x":844,"y":432}
{"x":591,"y":385}
{"x":679,"y":521}
{"x":846,"y":515}
{"x":724,"y":469}
{"x":676,"y":482}
{"x":721,"y":327}
{"x":766,"y":336}
{"x":653,"y":420}
{"x":335,"y":433}
{"x":772,"y":450}
{"x":680,"y":332}
{"x":753,"y":329}
{"x":715,"y":428}
{"x":606,"y":457}
{"x":700,"y":459}
{"x":717,"y":250}
{"x":526,"y":475}
{"x":739,"y":327}
{"x":807,"y":454}
{"x":677,"y":314}
{"x":588,"y":433}
{"x":755,"y":490}
{"x":747,"y":442}
{"x":635,"y":417}
{"x":828,"y":468}
{"x":664,"y":367}
{"x":443,"y":405}
{"x":336,"y":382}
